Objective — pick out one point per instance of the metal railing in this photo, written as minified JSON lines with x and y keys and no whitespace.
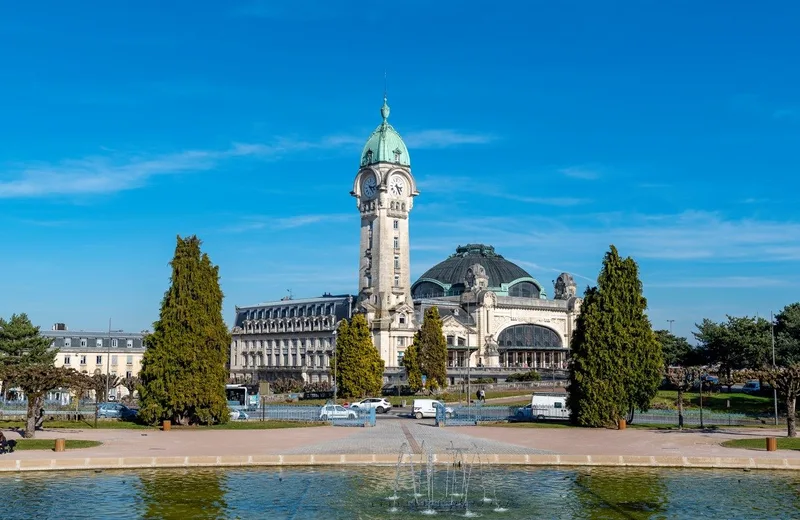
{"x":354,"y":417}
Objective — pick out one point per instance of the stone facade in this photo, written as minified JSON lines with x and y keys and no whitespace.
{"x":496,"y":316}
{"x":287,"y":338}
{"x":97,"y":352}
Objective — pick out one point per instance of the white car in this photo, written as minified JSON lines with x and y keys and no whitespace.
{"x":380,"y":405}
{"x":335,"y":411}
{"x":237,"y":415}
{"x":427,"y":408}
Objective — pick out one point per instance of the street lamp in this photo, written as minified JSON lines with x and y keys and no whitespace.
{"x":774,"y":388}
{"x":108,"y":358}
{"x":670,"y":325}
{"x":334,"y":366}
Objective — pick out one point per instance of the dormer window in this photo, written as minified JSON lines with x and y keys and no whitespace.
{"x":397,"y":154}
{"x":368,"y":157}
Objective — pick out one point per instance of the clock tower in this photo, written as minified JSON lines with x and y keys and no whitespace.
{"x":384,"y":190}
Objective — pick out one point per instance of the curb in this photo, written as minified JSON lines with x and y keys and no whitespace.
{"x":71,"y":464}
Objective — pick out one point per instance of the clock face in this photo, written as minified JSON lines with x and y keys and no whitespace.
{"x":369,"y":187}
{"x":397,"y":185}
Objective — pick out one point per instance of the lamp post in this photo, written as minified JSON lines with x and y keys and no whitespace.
{"x":334,"y":366}
{"x":774,"y":388}
{"x":670,"y":325}
{"x":108,"y":359}
{"x":469,"y":380}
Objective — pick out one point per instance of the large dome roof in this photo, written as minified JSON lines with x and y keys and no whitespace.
{"x":385,"y":144}
{"x":454,"y":270}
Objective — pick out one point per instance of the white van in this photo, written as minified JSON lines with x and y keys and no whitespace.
{"x":545,"y":406}
{"x":427,"y":408}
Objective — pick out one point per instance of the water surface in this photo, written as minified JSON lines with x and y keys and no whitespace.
{"x":367,"y":493}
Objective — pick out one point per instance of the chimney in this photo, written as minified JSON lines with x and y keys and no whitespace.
{"x":59,"y":326}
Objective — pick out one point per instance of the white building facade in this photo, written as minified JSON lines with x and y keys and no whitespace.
{"x":497,"y":318}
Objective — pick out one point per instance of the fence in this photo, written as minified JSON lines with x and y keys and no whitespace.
{"x":468,"y":416}
{"x":339,"y":417}
{"x":19,"y":409}
{"x":692,"y":418}
{"x":472,"y":415}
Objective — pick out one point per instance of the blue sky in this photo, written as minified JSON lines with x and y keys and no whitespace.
{"x":548,"y":129}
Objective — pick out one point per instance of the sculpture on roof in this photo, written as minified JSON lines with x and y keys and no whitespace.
{"x":476,"y":278}
{"x":565,"y":287}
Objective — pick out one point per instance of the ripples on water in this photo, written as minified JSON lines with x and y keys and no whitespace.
{"x":350,"y":493}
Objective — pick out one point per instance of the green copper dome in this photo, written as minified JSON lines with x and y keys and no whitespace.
{"x":385,"y":144}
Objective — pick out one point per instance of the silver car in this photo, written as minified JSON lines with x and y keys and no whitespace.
{"x":335,"y":411}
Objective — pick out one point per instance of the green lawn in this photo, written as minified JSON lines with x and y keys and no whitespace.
{"x":49,"y":444}
{"x":101,"y":425}
{"x":718,"y":402}
{"x":784,"y":443}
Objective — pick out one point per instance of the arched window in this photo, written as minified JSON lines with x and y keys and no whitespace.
{"x":524,"y":290}
{"x":532,"y":336}
{"x":428,"y":290}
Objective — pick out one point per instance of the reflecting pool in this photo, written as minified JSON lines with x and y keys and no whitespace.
{"x":367,"y":493}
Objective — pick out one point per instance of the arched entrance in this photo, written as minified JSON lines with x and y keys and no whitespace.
{"x":531,"y":346}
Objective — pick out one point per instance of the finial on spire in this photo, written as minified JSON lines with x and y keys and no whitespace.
{"x":385,"y":109}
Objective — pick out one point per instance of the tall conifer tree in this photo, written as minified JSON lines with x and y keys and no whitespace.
{"x":183,"y":371}
{"x":411,"y":364}
{"x":616,"y":360}
{"x":432,"y":350}
{"x":359,"y":367}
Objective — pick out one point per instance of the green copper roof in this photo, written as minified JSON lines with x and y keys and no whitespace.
{"x":385,"y":144}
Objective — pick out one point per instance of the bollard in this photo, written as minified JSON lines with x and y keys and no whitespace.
{"x":166,"y":426}
{"x":61,"y":445}
{"x":772,"y":444}
{"x":623,"y":424}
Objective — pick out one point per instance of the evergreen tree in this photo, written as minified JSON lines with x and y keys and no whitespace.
{"x":26,"y":360}
{"x":183,"y":371}
{"x":21,"y":343}
{"x":411,"y":363}
{"x":432,"y":350}
{"x":359,"y":367}
{"x":616,"y":360}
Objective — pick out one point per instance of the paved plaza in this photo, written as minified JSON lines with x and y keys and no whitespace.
{"x":387,"y":437}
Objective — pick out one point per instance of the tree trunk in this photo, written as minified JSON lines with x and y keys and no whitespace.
{"x":680,"y":408}
{"x":790,"y":419}
{"x":34,"y":405}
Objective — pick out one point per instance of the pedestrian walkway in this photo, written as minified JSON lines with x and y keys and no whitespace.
{"x":421,"y":435}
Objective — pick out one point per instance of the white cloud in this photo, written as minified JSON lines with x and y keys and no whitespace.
{"x":274,"y":222}
{"x":459,"y":184}
{"x":687,"y":236}
{"x":444,"y":139}
{"x":577,"y":172}
{"x":117,"y":172}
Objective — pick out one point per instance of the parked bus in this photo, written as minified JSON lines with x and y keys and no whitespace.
{"x":242,"y":396}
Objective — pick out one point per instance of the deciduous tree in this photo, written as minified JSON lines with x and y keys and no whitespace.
{"x":183,"y":371}
{"x":432,"y":350}
{"x":616,"y":363}
{"x":130,"y":383}
{"x":102,"y":383}
{"x":682,"y":378}
{"x":359,"y":367}
{"x":36,"y":380}
{"x":675,"y":349}
{"x":787,"y":381}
